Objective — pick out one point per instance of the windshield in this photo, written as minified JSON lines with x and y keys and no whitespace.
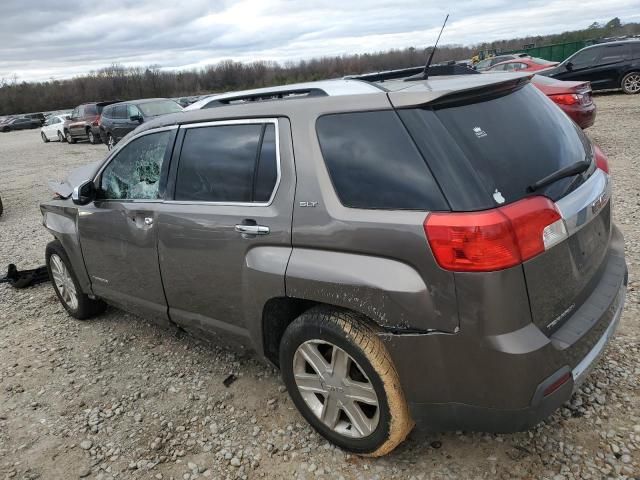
{"x":498,"y":146}
{"x":162,"y":107}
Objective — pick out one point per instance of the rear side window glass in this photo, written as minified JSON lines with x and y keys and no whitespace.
{"x":120,"y":111}
{"x":90,"y":110}
{"x":614,"y":53}
{"x":219,"y":164}
{"x":373,"y":163}
{"x":134,"y":174}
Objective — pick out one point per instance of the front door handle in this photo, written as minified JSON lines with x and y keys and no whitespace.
{"x":252,"y":229}
{"x":148,"y":221}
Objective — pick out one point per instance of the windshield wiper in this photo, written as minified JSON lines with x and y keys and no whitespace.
{"x":565,"y":172}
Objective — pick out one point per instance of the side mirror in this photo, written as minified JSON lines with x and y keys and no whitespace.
{"x":136,"y":118}
{"x":569,"y":66}
{"x":84,"y":193}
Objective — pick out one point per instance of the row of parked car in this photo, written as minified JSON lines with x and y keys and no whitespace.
{"x":107,"y":122}
{"x":21,"y":122}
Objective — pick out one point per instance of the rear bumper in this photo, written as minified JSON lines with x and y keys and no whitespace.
{"x":497,"y":383}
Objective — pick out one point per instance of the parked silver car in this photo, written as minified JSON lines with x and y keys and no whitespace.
{"x":434,"y":251}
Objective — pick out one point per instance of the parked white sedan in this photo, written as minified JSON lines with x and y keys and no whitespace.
{"x":53,"y":128}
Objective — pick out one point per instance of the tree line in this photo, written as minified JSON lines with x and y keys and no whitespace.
{"x":126,"y":83}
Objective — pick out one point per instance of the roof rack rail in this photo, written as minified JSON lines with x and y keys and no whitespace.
{"x":267,"y":96}
{"x":414,"y":73}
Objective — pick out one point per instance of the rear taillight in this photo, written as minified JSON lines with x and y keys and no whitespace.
{"x":96,"y":122}
{"x":602,"y":162}
{"x":494,"y":239}
{"x":566,"y":98}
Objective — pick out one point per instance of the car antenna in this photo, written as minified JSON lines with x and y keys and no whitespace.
{"x":433,"y":50}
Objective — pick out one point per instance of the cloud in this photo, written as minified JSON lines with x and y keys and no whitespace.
{"x":53,"y":40}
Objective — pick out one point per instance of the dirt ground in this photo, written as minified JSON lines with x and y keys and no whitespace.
{"x":117,"y":397}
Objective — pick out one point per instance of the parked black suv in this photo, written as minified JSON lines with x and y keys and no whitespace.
{"x":606,"y":65}
{"x":121,"y":118}
{"x":84,"y":122}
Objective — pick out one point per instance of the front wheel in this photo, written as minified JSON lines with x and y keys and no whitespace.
{"x":341,"y":379}
{"x":66,"y":286}
{"x":69,"y":138}
{"x":631,"y":83}
{"x":44,"y":137}
{"x":61,"y":137}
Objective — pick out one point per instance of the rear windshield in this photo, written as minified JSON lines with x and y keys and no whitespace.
{"x":162,"y":107}
{"x":488,"y":152}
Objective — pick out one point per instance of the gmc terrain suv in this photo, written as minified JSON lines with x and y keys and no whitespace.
{"x":435,"y":251}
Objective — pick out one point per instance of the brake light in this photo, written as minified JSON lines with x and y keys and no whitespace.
{"x":494,"y":239}
{"x":96,"y":122}
{"x":566,"y":98}
{"x":602,"y":162}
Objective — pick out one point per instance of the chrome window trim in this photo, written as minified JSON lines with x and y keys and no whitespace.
{"x":244,"y":121}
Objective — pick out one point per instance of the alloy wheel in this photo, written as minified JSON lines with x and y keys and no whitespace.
{"x":60,"y":137}
{"x":110,"y":143}
{"x":68,"y":137}
{"x":632,"y":83}
{"x":336,"y":389}
{"x":63,"y":282}
{"x":44,"y":138}
{"x":92,"y":139}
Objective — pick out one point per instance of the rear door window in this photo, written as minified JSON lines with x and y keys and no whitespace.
{"x":374,"y":164}
{"x":228,"y":164}
{"x":120,"y":112}
{"x":497,"y":145}
{"x":613,"y":54}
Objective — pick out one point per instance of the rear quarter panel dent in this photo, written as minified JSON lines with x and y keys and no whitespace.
{"x":389,"y":292}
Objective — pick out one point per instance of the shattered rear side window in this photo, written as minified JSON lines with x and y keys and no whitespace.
{"x":135,"y":173}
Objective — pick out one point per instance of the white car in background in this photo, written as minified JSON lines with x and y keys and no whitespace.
{"x":53,"y":128}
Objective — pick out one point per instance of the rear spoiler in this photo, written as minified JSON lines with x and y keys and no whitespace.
{"x":419,"y":95}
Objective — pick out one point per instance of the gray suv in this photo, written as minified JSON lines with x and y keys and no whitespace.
{"x":433,"y":251}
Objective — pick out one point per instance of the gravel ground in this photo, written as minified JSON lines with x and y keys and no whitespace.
{"x":118,"y":397}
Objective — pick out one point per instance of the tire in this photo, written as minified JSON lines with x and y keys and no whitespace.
{"x":630,"y":83}
{"x":61,"y":137}
{"x":93,"y":140}
{"x":44,"y":137}
{"x":6,"y":129}
{"x":1,"y":207}
{"x":65,"y":283}
{"x":324,"y":334}
{"x":110,"y":142}
{"x":69,"y":138}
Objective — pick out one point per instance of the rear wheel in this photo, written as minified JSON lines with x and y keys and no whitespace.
{"x":631,"y":83}
{"x":66,"y":286}
{"x":6,"y":129}
{"x":341,"y":379}
{"x":92,"y":138}
{"x":44,"y":137}
{"x":69,"y":138}
{"x":61,"y":137}
{"x":110,"y":142}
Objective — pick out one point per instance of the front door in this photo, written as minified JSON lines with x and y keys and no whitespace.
{"x":225,"y":239}
{"x":118,"y":231}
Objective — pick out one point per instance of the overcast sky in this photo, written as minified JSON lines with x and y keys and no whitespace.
{"x":42,"y":39}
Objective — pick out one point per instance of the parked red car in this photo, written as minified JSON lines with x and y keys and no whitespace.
{"x":523,"y":64}
{"x":573,"y":97}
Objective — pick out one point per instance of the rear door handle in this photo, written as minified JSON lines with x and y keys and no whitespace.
{"x":252,"y":229}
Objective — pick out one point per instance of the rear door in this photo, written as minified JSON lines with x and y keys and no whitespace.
{"x":609,"y":65}
{"x":119,"y":121}
{"x":225,"y":238}
{"x":118,"y":231}
{"x":76,"y":125}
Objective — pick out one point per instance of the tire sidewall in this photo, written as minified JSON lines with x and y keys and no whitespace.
{"x":309,"y":327}
{"x":57,"y":249}
{"x":624,"y":78}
